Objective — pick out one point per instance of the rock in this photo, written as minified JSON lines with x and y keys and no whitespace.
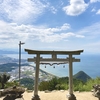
{"x":96,"y":91}
{"x":47,"y":91}
{"x":13,"y":93}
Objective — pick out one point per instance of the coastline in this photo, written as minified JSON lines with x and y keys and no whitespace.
{"x":45,"y":71}
{"x":89,"y":64}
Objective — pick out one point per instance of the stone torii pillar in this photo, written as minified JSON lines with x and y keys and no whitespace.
{"x":36,"y":97}
{"x":71,"y":96}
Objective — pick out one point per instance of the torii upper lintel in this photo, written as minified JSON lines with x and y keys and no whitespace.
{"x":77,"y":52}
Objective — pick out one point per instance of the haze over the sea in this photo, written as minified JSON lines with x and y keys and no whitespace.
{"x":90,"y":64}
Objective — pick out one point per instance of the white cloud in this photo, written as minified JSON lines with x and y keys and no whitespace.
{"x":75,"y":8}
{"x":93,"y":1}
{"x":92,"y":30}
{"x":21,"y":11}
{"x":11,"y":33}
{"x":53,"y":9}
{"x":91,"y":42}
{"x":98,"y":12}
{"x":56,"y":37}
{"x":65,"y":26}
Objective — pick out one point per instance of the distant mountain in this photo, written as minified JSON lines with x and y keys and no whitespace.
{"x":11,"y":52}
{"x":81,"y":75}
{"x":4,"y":59}
{"x":8,"y":52}
{"x":8,"y":67}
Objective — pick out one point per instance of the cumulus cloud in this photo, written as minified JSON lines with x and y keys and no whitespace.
{"x":76,"y":7}
{"x":21,"y":11}
{"x":12,"y":32}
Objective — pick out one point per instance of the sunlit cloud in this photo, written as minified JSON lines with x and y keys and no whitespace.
{"x":14,"y":32}
{"x":76,"y":7}
{"x":21,"y":11}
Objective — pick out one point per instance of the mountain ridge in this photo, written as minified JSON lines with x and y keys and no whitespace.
{"x":10,"y":52}
{"x":81,"y":75}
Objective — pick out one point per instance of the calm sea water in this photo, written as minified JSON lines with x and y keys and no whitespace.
{"x":90,"y":64}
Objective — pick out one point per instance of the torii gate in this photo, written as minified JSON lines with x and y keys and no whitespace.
{"x":54,"y":54}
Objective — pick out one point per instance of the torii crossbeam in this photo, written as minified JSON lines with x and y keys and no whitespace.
{"x":39,"y":60}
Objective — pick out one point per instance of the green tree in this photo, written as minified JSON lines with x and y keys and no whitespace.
{"x":11,"y":84}
{"x":53,"y":84}
{"x":3,"y":79}
{"x":44,"y":85}
{"x":28,"y":83}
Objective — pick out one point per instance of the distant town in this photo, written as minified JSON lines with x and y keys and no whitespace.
{"x":11,"y":66}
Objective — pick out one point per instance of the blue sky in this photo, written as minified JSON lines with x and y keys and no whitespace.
{"x":50,"y":24}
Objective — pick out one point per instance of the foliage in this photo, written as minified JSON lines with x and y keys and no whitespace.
{"x":27,"y":82}
{"x":11,"y":84}
{"x":57,"y":84}
{"x":8,"y":67}
{"x":54,"y":84}
{"x":63,"y":80}
{"x":78,"y":85}
{"x":62,"y":83}
{"x":3,"y":79}
{"x":89,"y":84}
{"x":44,"y":85}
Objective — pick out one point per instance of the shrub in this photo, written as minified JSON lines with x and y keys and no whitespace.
{"x":3,"y":79}
{"x":62,"y":83}
{"x":44,"y":86}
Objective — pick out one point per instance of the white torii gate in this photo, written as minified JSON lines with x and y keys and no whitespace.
{"x":54,"y":58}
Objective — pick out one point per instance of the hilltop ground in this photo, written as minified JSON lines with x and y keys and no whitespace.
{"x":59,"y":95}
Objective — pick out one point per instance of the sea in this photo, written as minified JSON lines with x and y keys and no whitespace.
{"x":89,"y":63}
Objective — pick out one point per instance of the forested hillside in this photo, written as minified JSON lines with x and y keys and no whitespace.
{"x":9,"y":66}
